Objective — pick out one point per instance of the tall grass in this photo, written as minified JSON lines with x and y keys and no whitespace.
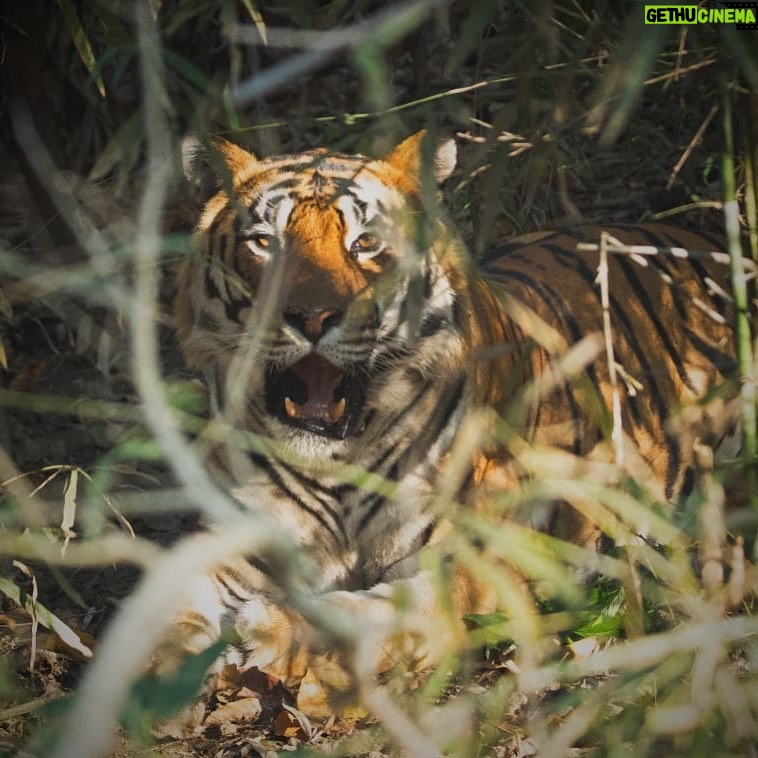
{"x":561,"y":114}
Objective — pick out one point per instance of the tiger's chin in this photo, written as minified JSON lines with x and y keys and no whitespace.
{"x":316,"y":451}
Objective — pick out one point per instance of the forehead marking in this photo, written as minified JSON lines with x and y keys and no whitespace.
{"x":357,"y":193}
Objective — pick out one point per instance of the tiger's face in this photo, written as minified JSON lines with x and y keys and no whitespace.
{"x":322,"y":289}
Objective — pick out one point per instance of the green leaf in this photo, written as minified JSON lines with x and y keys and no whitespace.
{"x":81,"y":42}
{"x":480,"y":620}
{"x":167,"y":697}
{"x":122,"y":149}
{"x":186,"y":69}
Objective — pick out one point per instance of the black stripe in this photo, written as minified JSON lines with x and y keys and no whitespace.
{"x":416,"y":450}
{"x":650,"y":309}
{"x":341,"y":219}
{"x":211,"y":290}
{"x":651,"y":237}
{"x":286,"y":184}
{"x":313,"y":486}
{"x":375,"y":503}
{"x":232,"y":308}
{"x":227,"y":266}
{"x":350,"y":189}
{"x":267,"y":466}
{"x":702,"y":273}
{"x":272,"y":208}
{"x":439,"y":419}
{"x":619,"y":314}
{"x":507,"y":249}
{"x":361,"y":205}
{"x":566,"y":321}
{"x":223,"y":244}
{"x":396,"y":420}
{"x":374,"y":500}
{"x":226,"y":575}
{"x":723,"y":361}
{"x":431,"y":323}
{"x":667,"y":266}
{"x":253,"y":219}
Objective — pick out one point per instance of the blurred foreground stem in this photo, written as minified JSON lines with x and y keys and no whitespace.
{"x":741,"y":303}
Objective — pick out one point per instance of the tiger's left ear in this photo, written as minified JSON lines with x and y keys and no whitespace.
{"x":415,"y":153}
{"x":213,"y":161}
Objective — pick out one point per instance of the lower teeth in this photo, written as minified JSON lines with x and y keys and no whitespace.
{"x":334,"y":412}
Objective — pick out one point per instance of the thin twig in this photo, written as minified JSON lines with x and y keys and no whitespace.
{"x":617,"y":435}
{"x":743,"y":337}
{"x":694,"y":142}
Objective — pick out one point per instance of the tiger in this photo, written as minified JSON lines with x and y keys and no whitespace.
{"x":340,"y":319}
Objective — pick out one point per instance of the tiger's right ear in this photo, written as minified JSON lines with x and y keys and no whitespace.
{"x":419,"y":151}
{"x":213,"y":162}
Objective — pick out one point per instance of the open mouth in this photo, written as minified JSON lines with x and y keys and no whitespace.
{"x":316,"y":395}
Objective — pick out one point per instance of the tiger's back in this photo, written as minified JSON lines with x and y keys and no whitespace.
{"x":670,"y":326}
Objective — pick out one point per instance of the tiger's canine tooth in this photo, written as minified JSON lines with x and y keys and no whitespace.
{"x":336,"y":410}
{"x":291,"y":408}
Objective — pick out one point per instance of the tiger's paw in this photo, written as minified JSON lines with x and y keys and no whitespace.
{"x":233,"y":699}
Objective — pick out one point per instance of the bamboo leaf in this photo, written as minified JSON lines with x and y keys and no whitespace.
{"x":122,"y":149}
{"x":45,"y":617}
{"x":69,"y":507}
{"x":257,"y":19}
{"x":81,"y":41}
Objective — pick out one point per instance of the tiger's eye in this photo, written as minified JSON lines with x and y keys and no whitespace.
{"x":367,"y":242}
{"x":262,"y":240}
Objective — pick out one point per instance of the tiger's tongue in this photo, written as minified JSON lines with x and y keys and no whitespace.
{"x":321,"y":379}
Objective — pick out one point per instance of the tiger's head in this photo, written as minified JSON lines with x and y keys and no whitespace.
{"x":322,"y":288}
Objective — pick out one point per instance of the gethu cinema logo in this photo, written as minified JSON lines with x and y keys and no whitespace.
{"x":693,"y":14}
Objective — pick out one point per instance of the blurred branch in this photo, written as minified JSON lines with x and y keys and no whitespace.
{"x":645,"y":652}
{"x":622,"y":84}
{"x":739,"y":277}
{"x":381,"y":29}
{"x":143,"y":620}
{"x":106,"y":549}
{"x":145,"y":349}
{"x":91,"y":239}
{"x":13,"y":482}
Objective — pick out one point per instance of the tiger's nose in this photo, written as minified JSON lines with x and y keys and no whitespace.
{"x":313,"y":324}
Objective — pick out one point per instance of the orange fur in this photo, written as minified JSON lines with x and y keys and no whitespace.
{"x":341,"y":236}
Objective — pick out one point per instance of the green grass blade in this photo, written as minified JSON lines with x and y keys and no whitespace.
{"x":81,"y":41}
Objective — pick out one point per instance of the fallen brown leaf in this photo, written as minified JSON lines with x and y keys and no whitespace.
{"x":229,"y":716}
